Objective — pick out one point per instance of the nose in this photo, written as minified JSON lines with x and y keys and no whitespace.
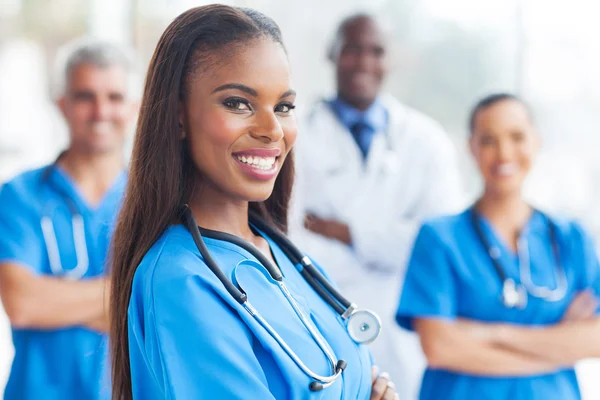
{"x":505,"y":150}
{"x":267,"y":127}
{"x":101,"y":110}
{"x":364,"y":61}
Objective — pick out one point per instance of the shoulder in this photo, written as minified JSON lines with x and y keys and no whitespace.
{"x":445,"y":230}
{"x":416,"y":119}
{"x":21,"y":191}
{"x":571,"y":231}
{"x":413,"y":126}
{"x":173,"y":255}
{"x":174,"y":259}
{"x":23,"y":184}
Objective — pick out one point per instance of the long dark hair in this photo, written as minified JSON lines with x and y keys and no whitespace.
{"x":162,"y":173}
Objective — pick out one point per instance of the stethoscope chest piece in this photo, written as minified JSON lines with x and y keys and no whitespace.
{"x":364,"y":326}
{"x":513,"y":295}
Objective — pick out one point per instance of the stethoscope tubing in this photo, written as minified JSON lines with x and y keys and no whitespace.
{"x":524,"y":267}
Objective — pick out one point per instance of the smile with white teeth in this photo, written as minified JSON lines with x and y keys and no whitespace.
{"x":102,"y":128}
{"x":264,"y":163}
{"x":506,"y":169}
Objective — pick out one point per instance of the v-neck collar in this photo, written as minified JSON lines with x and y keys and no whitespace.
{"x":276,"y":252}
{"x":532,"y":226}
{"x":64,"y":182}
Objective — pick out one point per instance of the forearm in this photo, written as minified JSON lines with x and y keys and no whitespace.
{"x":485,"y":360}
{"x":448,"y":347}
{"x":564,"y":343}
{"x":50,"y":303}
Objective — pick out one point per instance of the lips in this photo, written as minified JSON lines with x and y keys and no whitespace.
{"x":263,"y":163}
{"x":362,"y":78}
{"x":259,"y":152}
{"x":505,"y":170}
{"x":102,"y":128}
{"x":259,"y":164}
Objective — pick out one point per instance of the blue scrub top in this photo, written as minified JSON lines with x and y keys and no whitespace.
{"x":68,"y":363}
{"x":450,"y":275}
{"x":189,"y":339}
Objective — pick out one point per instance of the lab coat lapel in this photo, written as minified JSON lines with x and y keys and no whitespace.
{"x":347,"y":153}
{"x":383,"y":160}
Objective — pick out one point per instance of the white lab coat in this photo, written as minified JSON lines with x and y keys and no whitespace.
{"x":410,"y":174}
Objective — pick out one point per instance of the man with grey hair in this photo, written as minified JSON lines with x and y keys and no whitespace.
{"x":370,"y":170}
{"x":55,"y":228}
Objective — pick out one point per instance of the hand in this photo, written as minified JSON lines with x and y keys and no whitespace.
{"x":101,"y":323}
{"x":582,"y":308}
{"x":328,"y":228}
{"x":107,"y":287}
{"x":383,"y":388}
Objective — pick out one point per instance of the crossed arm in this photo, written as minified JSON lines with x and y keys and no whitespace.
{"x":491,"y":349}
{"x":42,"y":302}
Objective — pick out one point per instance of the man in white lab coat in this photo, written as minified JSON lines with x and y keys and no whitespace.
{"x":369,"y":170}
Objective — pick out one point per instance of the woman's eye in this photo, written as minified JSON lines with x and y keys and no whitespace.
{"x":237,"y":104}
{"x":284,"y":108}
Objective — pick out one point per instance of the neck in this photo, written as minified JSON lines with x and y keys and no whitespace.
{"x":217,"y":211}
{"x":94,"y":174}
{"x":357,"y":104}
{"x":507,"y":212}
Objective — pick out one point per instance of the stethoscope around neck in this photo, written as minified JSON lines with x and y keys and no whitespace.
{"x":49,"y":235}
{"x":363,"y":326}
{"x":514,"y":295}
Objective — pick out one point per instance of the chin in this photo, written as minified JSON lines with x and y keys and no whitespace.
{"x":103,"y":149}
{"x":102,"y":144}
{"x":257,"y":195}
{"x":363,"y":97}
{"x":506,"y":188}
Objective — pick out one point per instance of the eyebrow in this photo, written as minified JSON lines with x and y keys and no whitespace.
{"x":249,"y":90}
{"x":290,"y":92}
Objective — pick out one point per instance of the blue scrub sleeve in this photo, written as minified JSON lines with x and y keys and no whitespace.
{"x":590,"y":260}
{"x":20,"y":231}
{"x":205,"y":349}
{"x":429,"y":286}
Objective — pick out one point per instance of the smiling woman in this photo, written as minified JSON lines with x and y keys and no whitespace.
{"x":504,"y":297}
{"x":214,"y":147}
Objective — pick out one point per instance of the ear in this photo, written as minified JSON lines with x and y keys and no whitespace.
{"x":182,"y":119}
{"x":61,"y":104}
{"x":334,"y":49}
{"x":331,"y":54}
{"x":472,"y":146}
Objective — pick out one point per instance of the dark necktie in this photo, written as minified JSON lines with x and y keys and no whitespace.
{"x":363,"y":134}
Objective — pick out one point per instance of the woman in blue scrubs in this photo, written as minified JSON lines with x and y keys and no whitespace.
{"x":503,"y":296}
{"x":215,"y":133}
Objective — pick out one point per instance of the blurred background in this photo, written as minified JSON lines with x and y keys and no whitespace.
{"x":446,"y":54}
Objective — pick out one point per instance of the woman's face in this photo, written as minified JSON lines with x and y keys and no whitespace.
{"x":504,"y":143}
{"x":239,"y":121}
